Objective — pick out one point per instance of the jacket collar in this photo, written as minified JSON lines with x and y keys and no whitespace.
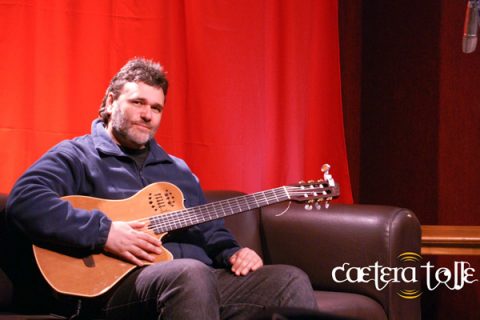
{"x":104,"y":144}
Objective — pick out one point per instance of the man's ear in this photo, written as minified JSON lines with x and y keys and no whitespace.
{"x":109,"y":103}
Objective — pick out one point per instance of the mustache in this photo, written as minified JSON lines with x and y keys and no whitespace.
{"x":142,"y":123}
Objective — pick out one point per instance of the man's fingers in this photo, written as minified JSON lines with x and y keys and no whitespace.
{"x":136,"y":224}
{"x":149,"y":238}
{"x":142,"y":254}
{"x":257,"y":265}
{"x":146,"y":241}
{"x":244,"y":261}
{"x":246,"y":267}
{"x":129,"y":241}
{"x":149,"y":244}
{"x":132,"y":259}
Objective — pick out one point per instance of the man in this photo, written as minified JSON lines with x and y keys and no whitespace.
{"x":211,"y":277}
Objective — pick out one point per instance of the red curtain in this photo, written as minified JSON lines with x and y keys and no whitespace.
{"x":255,"y":85}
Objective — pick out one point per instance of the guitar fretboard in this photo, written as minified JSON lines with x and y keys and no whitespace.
{"x":216,"y":210}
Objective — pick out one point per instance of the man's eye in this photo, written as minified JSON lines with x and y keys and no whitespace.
{"x":137,"y":102}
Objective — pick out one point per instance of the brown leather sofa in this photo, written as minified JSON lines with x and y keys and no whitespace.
{"x":341,"y":236}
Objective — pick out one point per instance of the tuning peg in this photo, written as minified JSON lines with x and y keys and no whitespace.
{"x":302,"y":184}
{"x":326,"y":174}
{"x":326,"y":168}
{"x":309,"y":205}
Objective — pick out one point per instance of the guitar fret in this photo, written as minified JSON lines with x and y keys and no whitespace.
{"x":246,"y":203}
{"x":203,"y":213}
{"x":239,"y":206}
{"x":217,"y":210}
{"x":264,"y":194}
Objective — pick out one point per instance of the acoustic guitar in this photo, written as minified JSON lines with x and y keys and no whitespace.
{"x":161,"y":206}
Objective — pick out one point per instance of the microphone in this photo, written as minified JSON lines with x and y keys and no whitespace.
{"x":470,"y":27}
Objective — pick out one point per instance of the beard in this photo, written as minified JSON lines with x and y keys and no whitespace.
{"x":126,"y":132}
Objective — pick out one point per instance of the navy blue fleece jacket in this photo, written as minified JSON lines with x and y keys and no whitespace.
{"x":94,"y":165}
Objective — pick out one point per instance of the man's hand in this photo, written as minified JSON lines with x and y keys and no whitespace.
{"x":245,"y":260}
{"x":127,"y":241}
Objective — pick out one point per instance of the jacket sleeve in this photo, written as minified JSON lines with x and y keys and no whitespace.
{"x":36,"y":209}
{"x":219,"y":242}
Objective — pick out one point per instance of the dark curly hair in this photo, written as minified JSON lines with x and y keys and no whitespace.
{"x":135,"y":70}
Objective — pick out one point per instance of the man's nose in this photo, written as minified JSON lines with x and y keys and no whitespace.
{"x":146,"y":113}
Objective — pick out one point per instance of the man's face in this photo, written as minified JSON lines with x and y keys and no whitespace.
{"x":135,"y":115}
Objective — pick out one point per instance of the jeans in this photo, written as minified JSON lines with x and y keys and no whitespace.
{"x":188,"y":289}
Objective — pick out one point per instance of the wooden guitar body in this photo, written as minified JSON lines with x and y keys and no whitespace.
{"x":95,"y":274}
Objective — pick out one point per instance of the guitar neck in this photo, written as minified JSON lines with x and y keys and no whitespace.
{"x":216,"y":210}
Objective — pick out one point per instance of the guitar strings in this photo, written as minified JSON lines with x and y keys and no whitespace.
{"x":185,"y":217}
{"x":211,"y":211}
{"x":178,"y":219}
{"x":190,"y":216}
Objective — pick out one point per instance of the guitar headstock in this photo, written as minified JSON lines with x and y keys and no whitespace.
{"x":315,"y":193}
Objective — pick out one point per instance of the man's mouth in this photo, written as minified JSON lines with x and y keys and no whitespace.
{"x":143,"y":126}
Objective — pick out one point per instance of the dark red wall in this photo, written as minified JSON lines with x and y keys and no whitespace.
{"x":411,"y":103}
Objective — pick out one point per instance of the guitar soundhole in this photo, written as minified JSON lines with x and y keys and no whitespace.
{"x":162,"y":201}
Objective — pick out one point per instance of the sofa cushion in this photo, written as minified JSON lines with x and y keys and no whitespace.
{"x":5,"y":291}
{"x":349,"y":305}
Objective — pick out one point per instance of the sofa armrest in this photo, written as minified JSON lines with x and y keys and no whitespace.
{"x":361,"y":235}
